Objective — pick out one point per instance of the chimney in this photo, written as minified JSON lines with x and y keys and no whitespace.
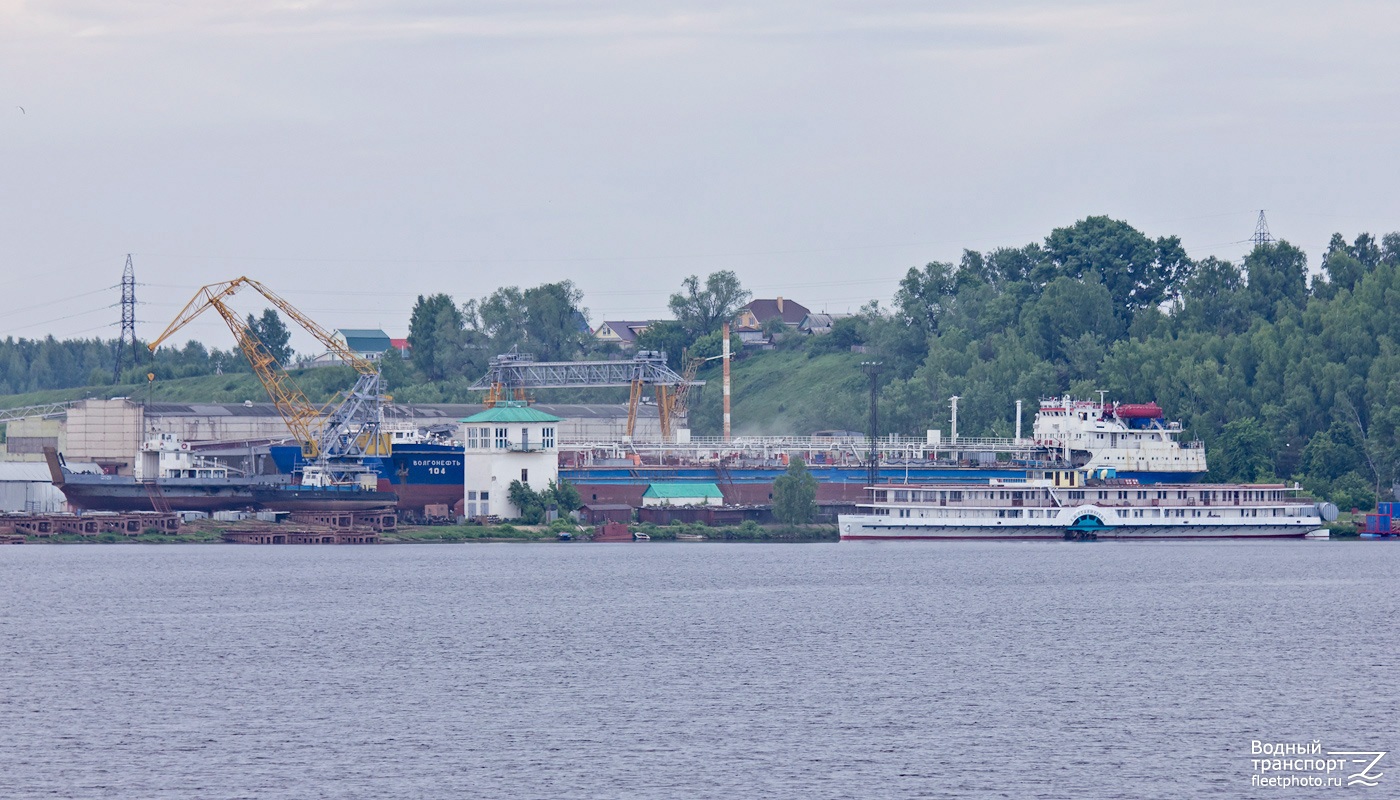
{"x":780,"y":304}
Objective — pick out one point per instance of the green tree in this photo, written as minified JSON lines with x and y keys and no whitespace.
{"x":1066,"y":311}
{"x":1243,"y":452}
{"x":556,"y":329}
{"x":1138,"y":272}
{"x":1278,"y":278}
{"x":712,"y":345}
{"x":924,"y":294}
{"x":666,"y":337}
{"x":564,"y":495}
{"x":795,"y":495}
{"x":274,"y":335}
{"x":436,"y":336}
{"x":530,"y":502}
{"x":1214,"y":300}
{"x":701,"y":310}
{"x":395,"y":372}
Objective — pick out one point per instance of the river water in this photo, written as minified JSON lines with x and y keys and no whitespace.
{"x":659,"y":670}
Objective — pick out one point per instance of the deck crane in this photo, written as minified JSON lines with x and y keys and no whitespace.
{"x":334,"y":438}
{"x":679,"y":397}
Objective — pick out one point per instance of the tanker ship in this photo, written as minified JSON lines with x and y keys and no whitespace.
{"x":1134,"y":440}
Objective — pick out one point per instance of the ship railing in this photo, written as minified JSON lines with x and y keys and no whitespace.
{"x":889,"y":448}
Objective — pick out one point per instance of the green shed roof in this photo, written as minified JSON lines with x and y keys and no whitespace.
{"x":511,"y":411}
{"x":365,"y":340}
{"x":673,"y":490}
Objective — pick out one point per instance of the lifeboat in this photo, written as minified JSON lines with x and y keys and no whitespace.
{"x":1139,"y":411}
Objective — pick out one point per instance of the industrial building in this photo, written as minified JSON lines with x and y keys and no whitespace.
{"x":27,"y":486}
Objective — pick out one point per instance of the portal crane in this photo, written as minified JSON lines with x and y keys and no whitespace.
{"x":334,"y":437}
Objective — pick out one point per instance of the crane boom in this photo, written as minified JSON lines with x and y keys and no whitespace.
{"x":215,"y":293}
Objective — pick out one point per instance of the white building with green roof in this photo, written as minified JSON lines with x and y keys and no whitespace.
{"x":511,"y":442}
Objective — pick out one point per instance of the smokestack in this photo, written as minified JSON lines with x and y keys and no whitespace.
{"x":780,"y":304}
{"x":1018,"y":422}
{"x":726,"y":381}
{"x":955,"y":400}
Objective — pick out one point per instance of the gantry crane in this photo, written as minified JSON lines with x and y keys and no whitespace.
{"x":510,"y":374}
{"x":334,"y":438}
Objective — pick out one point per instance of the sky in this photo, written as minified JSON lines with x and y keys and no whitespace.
{"x":355,"y":154}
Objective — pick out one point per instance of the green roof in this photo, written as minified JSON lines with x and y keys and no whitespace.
{"x":365,"y":340}
{"x":673,"y":490}
{"x":512,"y":411}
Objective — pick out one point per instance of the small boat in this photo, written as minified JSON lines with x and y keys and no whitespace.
{"x":638,"y":536}
{"x":690,"y":537}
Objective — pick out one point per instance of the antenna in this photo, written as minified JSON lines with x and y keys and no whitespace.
{"x":1261,"y":231}
{"x":128,"y":333}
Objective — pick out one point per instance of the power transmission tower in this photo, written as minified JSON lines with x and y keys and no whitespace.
{"x":128,"y":333}
{"x":1261,"y":231}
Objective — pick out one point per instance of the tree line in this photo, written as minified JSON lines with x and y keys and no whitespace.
{"x":1284,"y":373}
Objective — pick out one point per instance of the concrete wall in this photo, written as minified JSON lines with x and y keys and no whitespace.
{"x":25,"y":439}
{"x":105,"y":431}
{"x":215,"y":427}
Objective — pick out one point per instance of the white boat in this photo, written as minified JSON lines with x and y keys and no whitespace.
{"x":1068,"y":504}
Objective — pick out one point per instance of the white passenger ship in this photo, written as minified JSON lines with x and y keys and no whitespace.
{"x":1068,"y":504}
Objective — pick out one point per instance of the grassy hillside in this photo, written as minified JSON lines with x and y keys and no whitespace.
{"x":319,"y":385}
{"x":779,"y":392}
{"x":775,"y":392}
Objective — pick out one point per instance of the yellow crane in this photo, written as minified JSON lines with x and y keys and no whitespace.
{"x":345,"y":430}
{"x":675,"y":403}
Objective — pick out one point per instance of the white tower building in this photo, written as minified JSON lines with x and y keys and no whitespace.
{"x":511,"y":442}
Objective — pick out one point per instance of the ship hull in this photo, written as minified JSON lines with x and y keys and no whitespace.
{"x":296,"y":498}
{"x":115,"y":493}
{"x":419,"y":475}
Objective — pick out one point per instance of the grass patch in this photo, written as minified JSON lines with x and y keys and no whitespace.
{"x":788,"y":391}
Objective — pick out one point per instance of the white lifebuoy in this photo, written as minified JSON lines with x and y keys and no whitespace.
{"x":184,"y":445}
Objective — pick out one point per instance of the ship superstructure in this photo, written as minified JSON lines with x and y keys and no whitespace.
{"x":1130,"y":438}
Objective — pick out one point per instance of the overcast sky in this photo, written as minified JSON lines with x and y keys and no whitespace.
{"x":354,"y":154}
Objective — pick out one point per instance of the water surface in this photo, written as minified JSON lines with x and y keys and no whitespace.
{"x":699,"y":670}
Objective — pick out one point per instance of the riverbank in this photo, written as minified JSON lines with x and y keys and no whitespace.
{"x":429,"y":534}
